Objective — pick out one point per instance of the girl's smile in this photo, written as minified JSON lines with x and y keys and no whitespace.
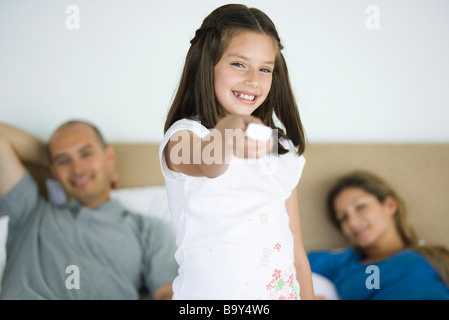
{"x":245,"y":97}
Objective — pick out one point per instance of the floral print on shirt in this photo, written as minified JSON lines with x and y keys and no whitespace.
{"x":283,"y":286}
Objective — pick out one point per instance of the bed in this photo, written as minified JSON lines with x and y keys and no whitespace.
{"x":419,"y":172}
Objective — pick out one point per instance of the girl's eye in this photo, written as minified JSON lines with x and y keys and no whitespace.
{"x":265,"y":70}
{"x":360,"y":207}
{"x":237,"y":64}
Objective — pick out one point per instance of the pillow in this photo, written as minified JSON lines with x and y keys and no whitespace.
{"x":55,"y":192}
{"x":150,"y":200}
{"x":324,"y":288}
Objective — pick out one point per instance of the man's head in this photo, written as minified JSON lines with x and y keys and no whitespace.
{"x":82,"y":162}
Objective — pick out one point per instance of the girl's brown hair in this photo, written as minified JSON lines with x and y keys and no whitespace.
{"x":438,"y":256}
{"x":195,"y":97}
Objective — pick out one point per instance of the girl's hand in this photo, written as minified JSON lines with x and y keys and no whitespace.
{"x":232,"y":129}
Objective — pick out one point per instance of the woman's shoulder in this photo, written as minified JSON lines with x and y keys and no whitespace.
{"x":409,"y":263}
{"x":408,"y":270}
{"x":331,"y":263}
{"x":409,"y":255}
{"x":341,"y":255}
{"x":413,"y":259}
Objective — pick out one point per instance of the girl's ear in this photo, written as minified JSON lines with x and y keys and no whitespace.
{"x":391,"y":204}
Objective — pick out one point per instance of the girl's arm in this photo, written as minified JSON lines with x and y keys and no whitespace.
{"x":303,"y":271}
{"x":209,"y":157}
{"x":181,"y":155}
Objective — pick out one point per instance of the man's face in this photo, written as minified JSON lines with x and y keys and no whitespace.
{"x":81,"y":164}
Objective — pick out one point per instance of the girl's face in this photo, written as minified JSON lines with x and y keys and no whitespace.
{"x":362,"y":218}
{"x":244,"y":73}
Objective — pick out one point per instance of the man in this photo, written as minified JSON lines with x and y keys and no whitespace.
{"x":91,"y":248}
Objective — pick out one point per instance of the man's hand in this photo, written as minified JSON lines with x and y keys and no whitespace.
{"x":164,"y":292}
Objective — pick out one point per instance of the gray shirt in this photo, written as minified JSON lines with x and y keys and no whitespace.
{"x":74,"y":252}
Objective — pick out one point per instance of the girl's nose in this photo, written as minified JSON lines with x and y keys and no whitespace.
{"x":252,"y":78}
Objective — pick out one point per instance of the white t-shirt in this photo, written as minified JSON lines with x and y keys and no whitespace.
{"x":232,"y":231}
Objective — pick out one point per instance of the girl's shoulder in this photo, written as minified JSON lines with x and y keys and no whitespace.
{"x":184,"y":124}
{"x":292,"y":154}
{"x":290,"y":146}
{"x":188,"y":124}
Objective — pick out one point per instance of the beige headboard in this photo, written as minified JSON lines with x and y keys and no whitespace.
{"x":419,"y":172}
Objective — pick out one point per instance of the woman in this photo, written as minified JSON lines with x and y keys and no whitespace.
{"x":386,"y":261}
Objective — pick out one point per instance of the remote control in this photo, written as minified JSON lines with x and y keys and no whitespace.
{"x":258,"y":132}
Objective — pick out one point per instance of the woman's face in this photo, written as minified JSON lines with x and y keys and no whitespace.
{"x":244,"y":73}
{"x":363,"y":219}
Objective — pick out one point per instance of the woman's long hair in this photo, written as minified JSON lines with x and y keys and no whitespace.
{"x":195,"y":97}
{"x":438,"y":256}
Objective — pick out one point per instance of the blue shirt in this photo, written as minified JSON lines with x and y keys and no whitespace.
{"x":406,"y":275}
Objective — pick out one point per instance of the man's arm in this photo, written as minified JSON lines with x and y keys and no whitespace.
{"x":16,"y":147}
{"x":164,"y":292}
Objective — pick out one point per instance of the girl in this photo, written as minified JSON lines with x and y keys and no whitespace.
{"x":233,"y":199}
{"x":373,"y":217}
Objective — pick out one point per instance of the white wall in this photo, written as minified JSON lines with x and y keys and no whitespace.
{"x":121,"y":67}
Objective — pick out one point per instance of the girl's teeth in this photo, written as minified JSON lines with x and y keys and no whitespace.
{"x":244,"y":96}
